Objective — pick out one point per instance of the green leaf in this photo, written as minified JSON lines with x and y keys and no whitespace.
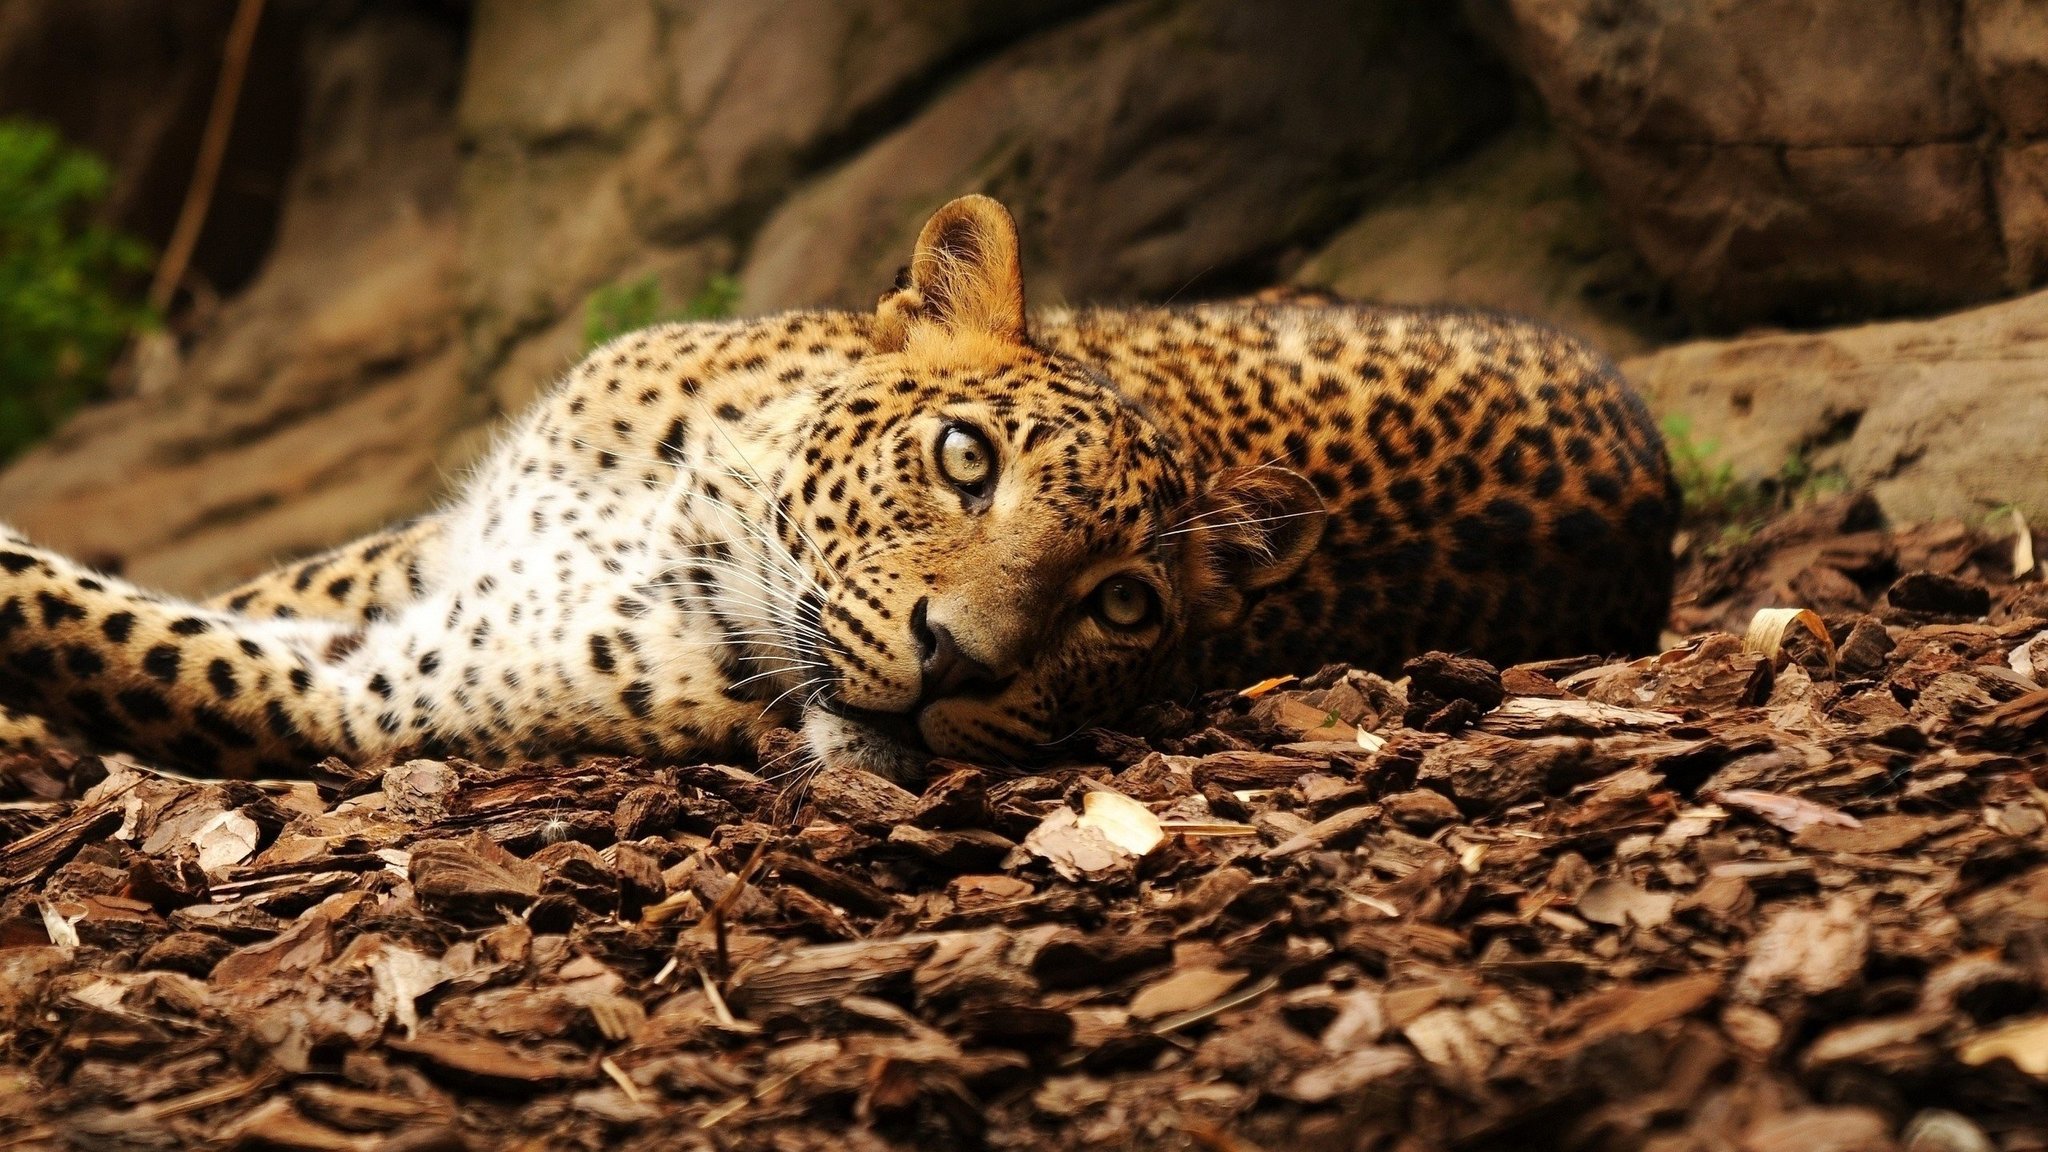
{"x":628,"y":306}
{"x":67,"y":282}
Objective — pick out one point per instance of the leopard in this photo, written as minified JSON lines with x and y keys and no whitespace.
{"x":946,"y":528}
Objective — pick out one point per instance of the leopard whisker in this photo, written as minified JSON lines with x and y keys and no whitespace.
{"x":1255,"y":520}
{"x":741,"y":683}
{"x":824,"y":683}
{"x":760,"y":487}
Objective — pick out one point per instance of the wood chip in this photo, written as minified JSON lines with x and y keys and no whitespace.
{"x":486,"y":1064}
{"x":2024,"y":1042}
{"x":1674,"y":898}
{"x":1807,"y":951}
{"x":1184,"y":990}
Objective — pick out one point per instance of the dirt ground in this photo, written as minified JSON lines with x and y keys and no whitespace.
{"x":1782,"y":900}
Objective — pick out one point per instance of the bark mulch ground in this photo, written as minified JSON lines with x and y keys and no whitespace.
{"x":1718,"y":899}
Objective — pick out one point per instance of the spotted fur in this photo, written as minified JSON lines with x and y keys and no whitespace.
{"x":706,"y":530}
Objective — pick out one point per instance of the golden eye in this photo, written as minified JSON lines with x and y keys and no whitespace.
{"x":966,"y":459}
{"x":1124,"y":602}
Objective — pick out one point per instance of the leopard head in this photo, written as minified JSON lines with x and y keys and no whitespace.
{"x":1004,"y":548}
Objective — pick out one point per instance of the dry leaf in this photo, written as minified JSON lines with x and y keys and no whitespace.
{"x":403,"y":976}
{"x":1691,"y":824}
{"x":2023,"y":563}
{"x":1126,"y":823}
{"x":1463,"y":1042}
{"x":1265,"y":686}
{"x":1533,"y":715}
{"x":225,"y":841}
{"x":106,"y":993}
{"x":1361,"y":1020}
{"x":131,"y":819}
{"x":1352,"y":1073}
{"x":1618,"y":903}
{"x":1209,"y":828}
{"x":1766,"y":633}
{"x":1634,"y":1009}
{"x":1214,"y":1008}
{"x":1076,"y":850}
{"x":1876,"y":836}
{"x":2031,"y":658}
{"x":476,"y":1060}
{"x":2024,"y":1042}
{"x":61,"y":928}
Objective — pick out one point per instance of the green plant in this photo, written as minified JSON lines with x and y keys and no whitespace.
{"x":65,"y":308}
{"x":1799,"y":482}
{"x":617,"y":309}
{"x":2002,"y":517}
{"x":1716,"y":498}
{"x":1713,"y":494}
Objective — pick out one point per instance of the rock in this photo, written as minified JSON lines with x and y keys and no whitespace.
{"x":1148,"y":148}
{"x":1806,"y":162}
{"x":1937,"y":418}
{"x":1518,"y":227}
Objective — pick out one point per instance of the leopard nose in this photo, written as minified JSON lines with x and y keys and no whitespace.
{"x":947,"y":670}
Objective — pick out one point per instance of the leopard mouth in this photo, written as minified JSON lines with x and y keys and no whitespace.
{"x":896,"y":727}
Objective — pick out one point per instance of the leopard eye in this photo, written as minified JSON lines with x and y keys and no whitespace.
{"x":1125,"y":602}
{"x":966,"y":459}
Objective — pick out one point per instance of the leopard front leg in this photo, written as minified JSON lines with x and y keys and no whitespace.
{"x":174,"y":683}
{"x":360,"y":582}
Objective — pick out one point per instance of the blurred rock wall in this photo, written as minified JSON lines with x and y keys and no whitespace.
{"x":1148,"y":147}
{"x":1807,"y":161}
{"x":458,"y":194}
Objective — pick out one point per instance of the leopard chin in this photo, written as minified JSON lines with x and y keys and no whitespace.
{"x":889,"y":747}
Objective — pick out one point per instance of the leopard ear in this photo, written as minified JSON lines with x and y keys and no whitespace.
{"x":964,"y":277}
{"x":1250,"y":530}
